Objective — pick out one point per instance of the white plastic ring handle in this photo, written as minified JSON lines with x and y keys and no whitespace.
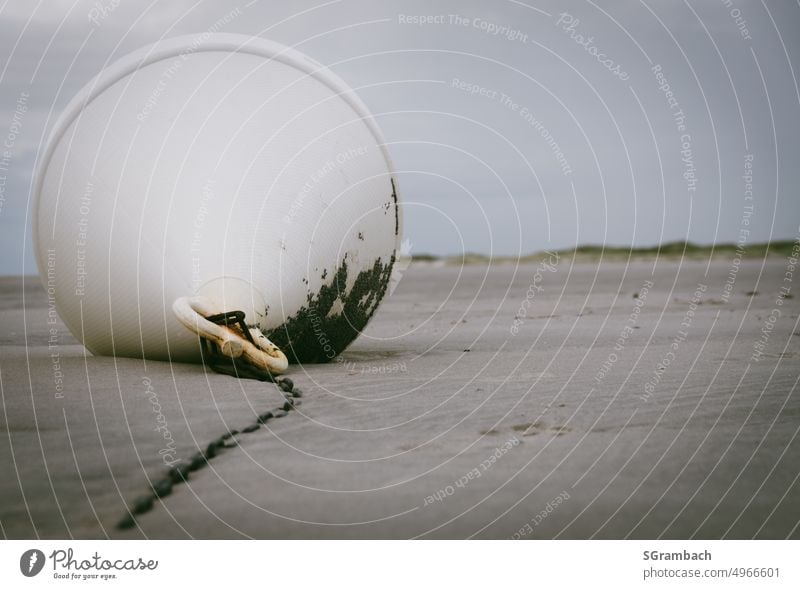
{"x":192,"y":313}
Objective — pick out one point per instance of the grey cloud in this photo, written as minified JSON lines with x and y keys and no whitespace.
{"x":600,"y":123}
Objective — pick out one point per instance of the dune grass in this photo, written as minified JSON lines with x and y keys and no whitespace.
{"x":671,"y":250}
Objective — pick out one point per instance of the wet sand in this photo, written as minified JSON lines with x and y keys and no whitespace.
{"x":533,"y":401}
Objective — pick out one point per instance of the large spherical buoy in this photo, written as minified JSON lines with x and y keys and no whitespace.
{"x":212,"y":174}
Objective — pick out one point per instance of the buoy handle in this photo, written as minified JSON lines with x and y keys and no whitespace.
{"x":256,"y":349}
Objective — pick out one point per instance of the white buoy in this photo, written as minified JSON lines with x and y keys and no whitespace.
{"x":216,"y":173}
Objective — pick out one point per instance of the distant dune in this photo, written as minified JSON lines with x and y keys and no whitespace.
{"x":673,"y":249}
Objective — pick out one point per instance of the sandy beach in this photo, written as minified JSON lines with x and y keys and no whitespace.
{"x":559,"y":399}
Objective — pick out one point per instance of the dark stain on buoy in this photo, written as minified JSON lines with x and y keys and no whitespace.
{"x":396,"y":209}
{"x":314,"y":334}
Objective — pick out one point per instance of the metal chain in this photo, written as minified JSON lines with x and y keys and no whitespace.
{"x":179,"y":473}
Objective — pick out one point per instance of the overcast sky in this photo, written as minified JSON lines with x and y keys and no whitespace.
{"x":514,"y":126}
